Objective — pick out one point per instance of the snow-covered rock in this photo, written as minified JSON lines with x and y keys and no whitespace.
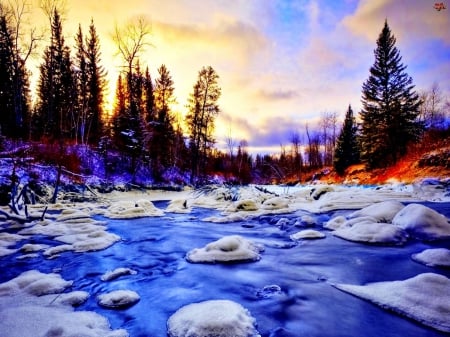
{"x":118,"y":299}
{"x":434,"y":257}
{"x":243,"y":205}
{"x":116,"y":273}
{"x":233,"y":248}
{"x":424,"y":298}
{"x":307,"y":234}
{"x":335,"y":222}
{"x":218,"y":318}
{"x":276,"y":203}
{"x":127,"y":209}
{"x":373,"y":232}
{"x":422,"y":222}
{"x":178,"y":206}
{"x":33,"y":304}
{"x":382,"y":211}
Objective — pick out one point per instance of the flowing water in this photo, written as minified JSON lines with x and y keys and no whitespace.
{"x":289,"y":291}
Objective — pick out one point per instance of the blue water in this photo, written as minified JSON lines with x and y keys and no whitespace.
{"x":288,"y":291}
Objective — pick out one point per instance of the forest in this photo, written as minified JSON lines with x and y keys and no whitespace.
{"x":142,"y":142}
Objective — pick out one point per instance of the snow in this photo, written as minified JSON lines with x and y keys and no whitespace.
{"x":424,"y":298}
{"x":116,"y":273}
{"x":422,"y":222}
{"x":381,"y":212}
{"x":373,"y":232}
{"x":178,"y":206}
{"x":233,"y":248}
{"x":118,"y":299}
{"x":433,"y":257}
{"x":218,"y":318}
{"x":32,"y":304}
{"x":307,"y":234}
{"x":276,"y":203}
{"x":128,"y":209}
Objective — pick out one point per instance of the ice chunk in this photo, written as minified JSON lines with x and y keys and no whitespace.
{"x":116,"y":273}
{"x":373,"y":232}
{"x":233,"y":248}
{"x":382,"y":211}
{"x":434,"y":257}
{"x":422,"y":222}
{"x":118,"y":299}
{"x":424,"y":298}
{"x":218,"y":318}
{"x":307,"y":234}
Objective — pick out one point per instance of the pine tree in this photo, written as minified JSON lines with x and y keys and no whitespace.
{"x":203,"y":109}
{"x":346,"y":152}
{"x":162,"y":142}
{"x":390,"y":106}
{"x":96,"y":84}
{"x":55,"y":113}
{"x":14,"y":88}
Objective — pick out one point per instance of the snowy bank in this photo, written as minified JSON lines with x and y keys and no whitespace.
{"x":33,"y":304}
{"x":218,"y":318}
{"x":233,"y":248}
{"x":424,"y":298}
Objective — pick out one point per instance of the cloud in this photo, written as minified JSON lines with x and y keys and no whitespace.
{"x":410,"y":20}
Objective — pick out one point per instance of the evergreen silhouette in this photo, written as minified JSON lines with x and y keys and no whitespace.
{"x":390,"y":106}
{"x":347,"y":150}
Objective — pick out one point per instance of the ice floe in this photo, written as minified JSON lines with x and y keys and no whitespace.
{"x":33,"y":304}
{"x":233,"y":248}
{"x":218,"y":318}
{"x":422,"y":222}
{"x":433,"y":257}
{"x":118,"y":299}
{"x":424,"y":298}
{"x":307,"y":234}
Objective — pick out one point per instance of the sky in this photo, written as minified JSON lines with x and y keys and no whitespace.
{"x":282,"y":63}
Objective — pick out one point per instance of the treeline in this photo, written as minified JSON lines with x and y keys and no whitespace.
{"x":143,"y":140}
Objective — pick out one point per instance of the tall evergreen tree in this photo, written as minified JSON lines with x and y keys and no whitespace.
{"x":390,"y":106}
{"x":96,"y":83}
{"x":53,"y":117}
{"x":203,"y":109}
{"x":346,"y":152}
{"x":14,"y":92}
{"x":161,"y":149}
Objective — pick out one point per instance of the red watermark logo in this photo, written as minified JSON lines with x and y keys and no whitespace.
{"x":439,"y":6}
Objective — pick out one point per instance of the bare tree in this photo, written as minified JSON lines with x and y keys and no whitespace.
{"x":131,"y":40}
{"x":433,"y":109}
{"x":328,"y":124}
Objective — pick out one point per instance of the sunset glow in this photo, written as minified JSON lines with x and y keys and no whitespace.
{"x":281,"y":63}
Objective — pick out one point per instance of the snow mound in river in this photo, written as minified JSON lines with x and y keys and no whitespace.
{"x":127,"y":209}
{"x":381,"y":211}
{"x":434,"y":257}
{"x":218,"y":318}
{"x":33,"y":304}
{"x":424,"y":298}
{"x":373,"y":232}
{"x":422,"y":222}
{"x":233,"y":248}
{"x":307,"y":234}
{"x":118,"y":299}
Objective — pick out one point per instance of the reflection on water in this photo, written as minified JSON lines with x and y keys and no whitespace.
{"x":288,"y":291}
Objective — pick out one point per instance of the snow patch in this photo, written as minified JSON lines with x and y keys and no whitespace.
{"x":233,"y":248}
{"x":424,"y":298}
{"x":307,"y":234}
{"x":33,"y":304}
{"x":218,"y":318}
{"x":118,"y":299}
{"x":116,"y":273}
{"x":434,"y":257}
{"x":127,"y":209}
